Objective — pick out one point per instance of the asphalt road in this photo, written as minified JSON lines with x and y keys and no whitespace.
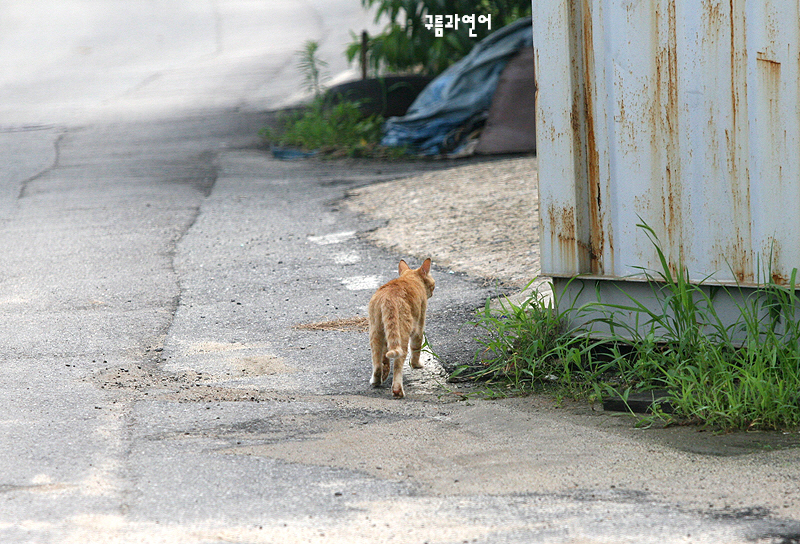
{"x":157,"y":267}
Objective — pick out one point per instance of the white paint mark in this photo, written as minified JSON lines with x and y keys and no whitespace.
{"x":41,"y":479}
{"x":333,"y":238}
{"x":361,"y":283}
{"x":347,"y":258}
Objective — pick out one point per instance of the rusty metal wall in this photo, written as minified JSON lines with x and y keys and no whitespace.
{"x":684,"y":114}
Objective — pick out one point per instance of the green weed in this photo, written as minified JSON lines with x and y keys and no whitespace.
{"x":338,"y":130}
{"x":524,"y":344}
{"x":311,"y":66}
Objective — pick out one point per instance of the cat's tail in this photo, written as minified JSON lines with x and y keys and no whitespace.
{"x":391,"y":327}
{"x":393,"y":353}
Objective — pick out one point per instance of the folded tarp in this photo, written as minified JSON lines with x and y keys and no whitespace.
{"x":458,"y":94}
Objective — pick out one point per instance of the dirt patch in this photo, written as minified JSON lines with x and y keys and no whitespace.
{"x":480,"y":219}
{"x":358,"y":324}
{"x":265,"y":365}
{"x":148,"y":381}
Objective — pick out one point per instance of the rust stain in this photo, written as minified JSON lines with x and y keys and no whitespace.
{"x":770,"y":116}
{"x":715,"y":41}
{"x":770,"y":73}
{"x":779,"y":278}
{"x":562,"y":235}
{"x":596,"y":240}
{"x":740,"y":260}
{"x":575,"y":116}
{"x":586,"y":238}
{"x":572,"y":251}
{"x":774,"y":258}
{"x":712,"y":12}
{"x":562,"y":223}
{"x":667,"y":129}
{"x":761,"y":56}
{"x":739,"y":255}
{"x":738,"y":51}
{"x":674,"y":181}
{"x":569,"y":234}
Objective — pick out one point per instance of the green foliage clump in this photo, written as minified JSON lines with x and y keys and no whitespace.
{"x":406,"y":45}
{"x":745,"y":375}
{"x":519,"y":342}
{"x":338,"y":130}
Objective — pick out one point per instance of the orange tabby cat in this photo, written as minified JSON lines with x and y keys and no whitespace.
{"x":397,"y":316}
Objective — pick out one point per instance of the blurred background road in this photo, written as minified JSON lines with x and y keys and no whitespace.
{"x":78,"y":60}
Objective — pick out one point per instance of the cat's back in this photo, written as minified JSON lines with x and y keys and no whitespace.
{"x":404,"y":290}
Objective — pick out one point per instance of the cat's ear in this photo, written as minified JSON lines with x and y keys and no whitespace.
{"x":426,"y":266}
{"x":402,"y":267}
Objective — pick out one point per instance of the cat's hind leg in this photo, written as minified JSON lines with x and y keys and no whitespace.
{"x":397,"y":379}
{"x":416,"y":348}
{"x":385,"y":370}
{"x":380,"y":370}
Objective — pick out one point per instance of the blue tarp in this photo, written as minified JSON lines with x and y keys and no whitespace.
{"x":459,"y":93}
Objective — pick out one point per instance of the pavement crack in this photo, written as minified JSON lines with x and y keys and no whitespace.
{"x":204,"y":183}
{"x":23,"y":189}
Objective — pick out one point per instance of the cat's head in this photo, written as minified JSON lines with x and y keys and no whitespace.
{"x":424,"y":272}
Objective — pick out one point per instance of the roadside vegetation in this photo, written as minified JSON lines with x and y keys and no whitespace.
{"x":332,"y":130}
{"x":335,"y":126}
{"x":406,"y":45}
{"x":729,"y":377}
{"x":329,"y":126}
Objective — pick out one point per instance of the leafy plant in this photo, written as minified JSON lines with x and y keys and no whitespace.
{"x":334,"y":130}
{"x":311,"y":67}
{"x":406,"y":45}
{"x":738,"y":376}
